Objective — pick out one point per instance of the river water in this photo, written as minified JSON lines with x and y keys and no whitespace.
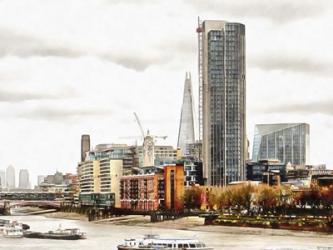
{"x":108,"y":236}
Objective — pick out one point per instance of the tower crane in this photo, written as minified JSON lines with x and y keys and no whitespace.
{"x":139,"y":123}
{"x":142,"y":130}
{"x":148,"y":147}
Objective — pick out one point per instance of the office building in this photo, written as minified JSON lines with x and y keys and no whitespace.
{"x":186,"y":124}
{"x":128,"y":154}
{"x":287,"y":142}
{"x":40,"y":179}
{"x":162,"y":155}
{"x":195,"y":151}
{"x":2,"y":179}
{"x":101,"y":175}
{"x":193,"y":173}
{"x":24,"y":182}
{"x":272,"y":172}
{"x":85,"y":146}
{"x":10,"y":177}
{"x":57,"y":178}
{"x":222,"y":101}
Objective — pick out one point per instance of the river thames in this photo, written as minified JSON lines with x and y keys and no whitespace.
{"x":107,"y":236}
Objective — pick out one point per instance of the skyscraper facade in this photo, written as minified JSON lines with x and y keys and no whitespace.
{"x":24,"y":182}
{"x":223,"y":105}
{"x":186,"y":126}
{"x":287,"y":142}
{"x":2,"y":179}
{"x":85,"y":146}
{"x":10,"y":177}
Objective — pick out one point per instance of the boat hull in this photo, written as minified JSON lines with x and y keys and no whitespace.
{"x":13,"y":236}
{"x":37,"y":235}
{"x":131,"y":248}
{"x":160,"y":248}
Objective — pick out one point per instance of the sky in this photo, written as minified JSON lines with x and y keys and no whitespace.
{"x":73,"y":67}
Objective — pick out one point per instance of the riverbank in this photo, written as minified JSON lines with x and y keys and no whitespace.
{"x":67,"y":216}
{"x":298,"y":223}
{"x":184,"y":223}
{"x":191,"y":222}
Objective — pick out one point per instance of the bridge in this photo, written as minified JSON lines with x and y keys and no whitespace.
{"x":29,"y":203}
{"x":34,"y":199}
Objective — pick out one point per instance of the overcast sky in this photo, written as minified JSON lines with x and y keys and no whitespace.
{"x":72,"y":67}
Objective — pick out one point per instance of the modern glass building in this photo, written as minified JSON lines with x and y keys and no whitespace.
{"x":222,"y":65}
{"x":287,"y":142}
{"x":186,"y":124}
{"x":10,"y":177}
{"x":24,"y":182}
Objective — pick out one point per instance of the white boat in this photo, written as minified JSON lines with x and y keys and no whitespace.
{"x":153,"y":242}
{"x":12,"y":230}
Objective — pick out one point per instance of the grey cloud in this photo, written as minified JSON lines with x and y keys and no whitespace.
{"x":276,"y":10}
{"x":13,"y":43}
{"x":319,"y":107}
{"x":127,"y":61}
{"x":14,"y":97}
{"x":48,"y":113}
{"x":136,"y":62}
{"x":21,"y":45}
{"x":294,"y":64}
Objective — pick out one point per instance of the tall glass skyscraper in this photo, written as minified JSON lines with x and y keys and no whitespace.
{"x":186,"y":125}
{"x":10,"y":177}
{"x":24,"y":182}
{"x":222,"y":76}
{"x":287,"y":142}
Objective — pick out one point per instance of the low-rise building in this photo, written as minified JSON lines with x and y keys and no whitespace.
{"x":161,"y":188}
{"x":193,"y":173}
{"x":162,"y":155}
{"x":269,"y":171}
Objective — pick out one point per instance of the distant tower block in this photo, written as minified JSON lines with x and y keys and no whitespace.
{"x":85,"y":146}
{"x":24,"y":182}
{"x":186,"y":126}
{"x":10,"y":177}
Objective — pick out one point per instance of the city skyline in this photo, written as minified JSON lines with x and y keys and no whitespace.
{"x":62,"y":79}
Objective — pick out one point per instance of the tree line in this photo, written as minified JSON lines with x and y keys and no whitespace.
{"x":261,"y":199}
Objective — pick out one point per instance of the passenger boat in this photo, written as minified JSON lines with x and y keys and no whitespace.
{"x":153,"y":242}
{"x":12,"y":230}
{"x":59,"y":234}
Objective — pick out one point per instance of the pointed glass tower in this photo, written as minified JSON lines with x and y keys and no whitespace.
{"x":186,"y":126}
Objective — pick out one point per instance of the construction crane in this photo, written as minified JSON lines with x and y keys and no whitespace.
{"x":139,"y":123}
{"x":142,"y":130}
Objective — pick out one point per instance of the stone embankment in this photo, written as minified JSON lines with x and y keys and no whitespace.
{"x":303,"y":223}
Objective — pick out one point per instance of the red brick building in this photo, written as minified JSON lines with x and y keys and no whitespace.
{"x":164,"y":188}
{"x":174,"y":187}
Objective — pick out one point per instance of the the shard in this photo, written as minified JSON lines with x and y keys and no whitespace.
{"x":186,"y":126}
